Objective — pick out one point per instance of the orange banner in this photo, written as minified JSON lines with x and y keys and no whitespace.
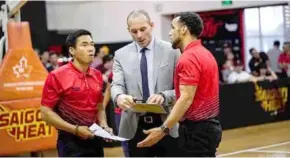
{"x":22,"y":129}
{"x":22,"y":75}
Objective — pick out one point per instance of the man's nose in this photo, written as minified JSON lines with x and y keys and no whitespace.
{"x":91,"y":49}
{"x":139,"y":34}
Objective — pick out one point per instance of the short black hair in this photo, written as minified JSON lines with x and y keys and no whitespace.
{"x":107,"y":58}
{"x":286,"y":43}
{"x":72,"y":37}
{"x":193,"y":22}
{"x":277,"y":43}
{"x":251,"y":50}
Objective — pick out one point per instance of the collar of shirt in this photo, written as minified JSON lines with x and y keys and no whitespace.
{"x":192,"y":44}
{"x":80,"y":73}
{"x":150,"y":46}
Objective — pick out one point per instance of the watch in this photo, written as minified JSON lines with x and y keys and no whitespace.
{"x":165,"y":129}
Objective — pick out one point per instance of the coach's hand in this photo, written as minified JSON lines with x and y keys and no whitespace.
{"x":84,"y":132}
{"x":125,"y":101}
{"x":156,"y":99}
{"x":154,"y":135}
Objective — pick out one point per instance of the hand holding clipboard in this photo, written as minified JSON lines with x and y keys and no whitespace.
{"x":145,"y":107}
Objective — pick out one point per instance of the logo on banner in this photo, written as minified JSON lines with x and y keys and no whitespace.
{"x":210,"y":27}
{"x":22,"y":69}
{"x":24,"y":124}
{"x":232,"y":27}
{"x":272,"y":100}
{"x":23,"y":74}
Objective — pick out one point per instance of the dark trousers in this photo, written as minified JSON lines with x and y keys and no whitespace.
{"x":199,"y":139}
{"x":164,"y":148}
{"x":69,"y":145}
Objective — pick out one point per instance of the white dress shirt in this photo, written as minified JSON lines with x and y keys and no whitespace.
{"x":150,"y":62}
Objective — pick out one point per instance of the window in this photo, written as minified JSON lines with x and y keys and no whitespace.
{"x":263,"y":26}
{"x":252,"y":24}
{"x":272,"y":21}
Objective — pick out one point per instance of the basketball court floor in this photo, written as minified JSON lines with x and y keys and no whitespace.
{"x":267,"y":140}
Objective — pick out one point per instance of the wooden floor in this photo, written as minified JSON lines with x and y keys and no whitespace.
{"x":267,"y":140}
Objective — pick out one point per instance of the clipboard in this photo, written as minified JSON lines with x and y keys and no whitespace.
{"x":153,"y":108}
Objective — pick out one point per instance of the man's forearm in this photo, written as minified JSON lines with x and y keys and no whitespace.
{"x":118,"y":82}
{"x":55,"y":120}
{"x":178,"y":111}
{"x":102,"y":116}
{"x":107,"y":96}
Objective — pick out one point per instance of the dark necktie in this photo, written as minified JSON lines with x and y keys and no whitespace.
{"x":144,"y":75}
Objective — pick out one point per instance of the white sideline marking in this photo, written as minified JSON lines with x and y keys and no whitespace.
{"x":253,"y":149}
{"x":271,"y":151}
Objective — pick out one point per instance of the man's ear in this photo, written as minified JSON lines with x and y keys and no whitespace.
{"x":72,"y":51}
{"x":184,"y":29}
{"x":152,"y":24}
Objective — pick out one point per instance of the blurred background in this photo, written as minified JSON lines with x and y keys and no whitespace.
{"x":249,"y":39}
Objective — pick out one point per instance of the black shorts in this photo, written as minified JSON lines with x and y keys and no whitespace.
{"x":199,"y":139}
{"x":69,"y":145}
